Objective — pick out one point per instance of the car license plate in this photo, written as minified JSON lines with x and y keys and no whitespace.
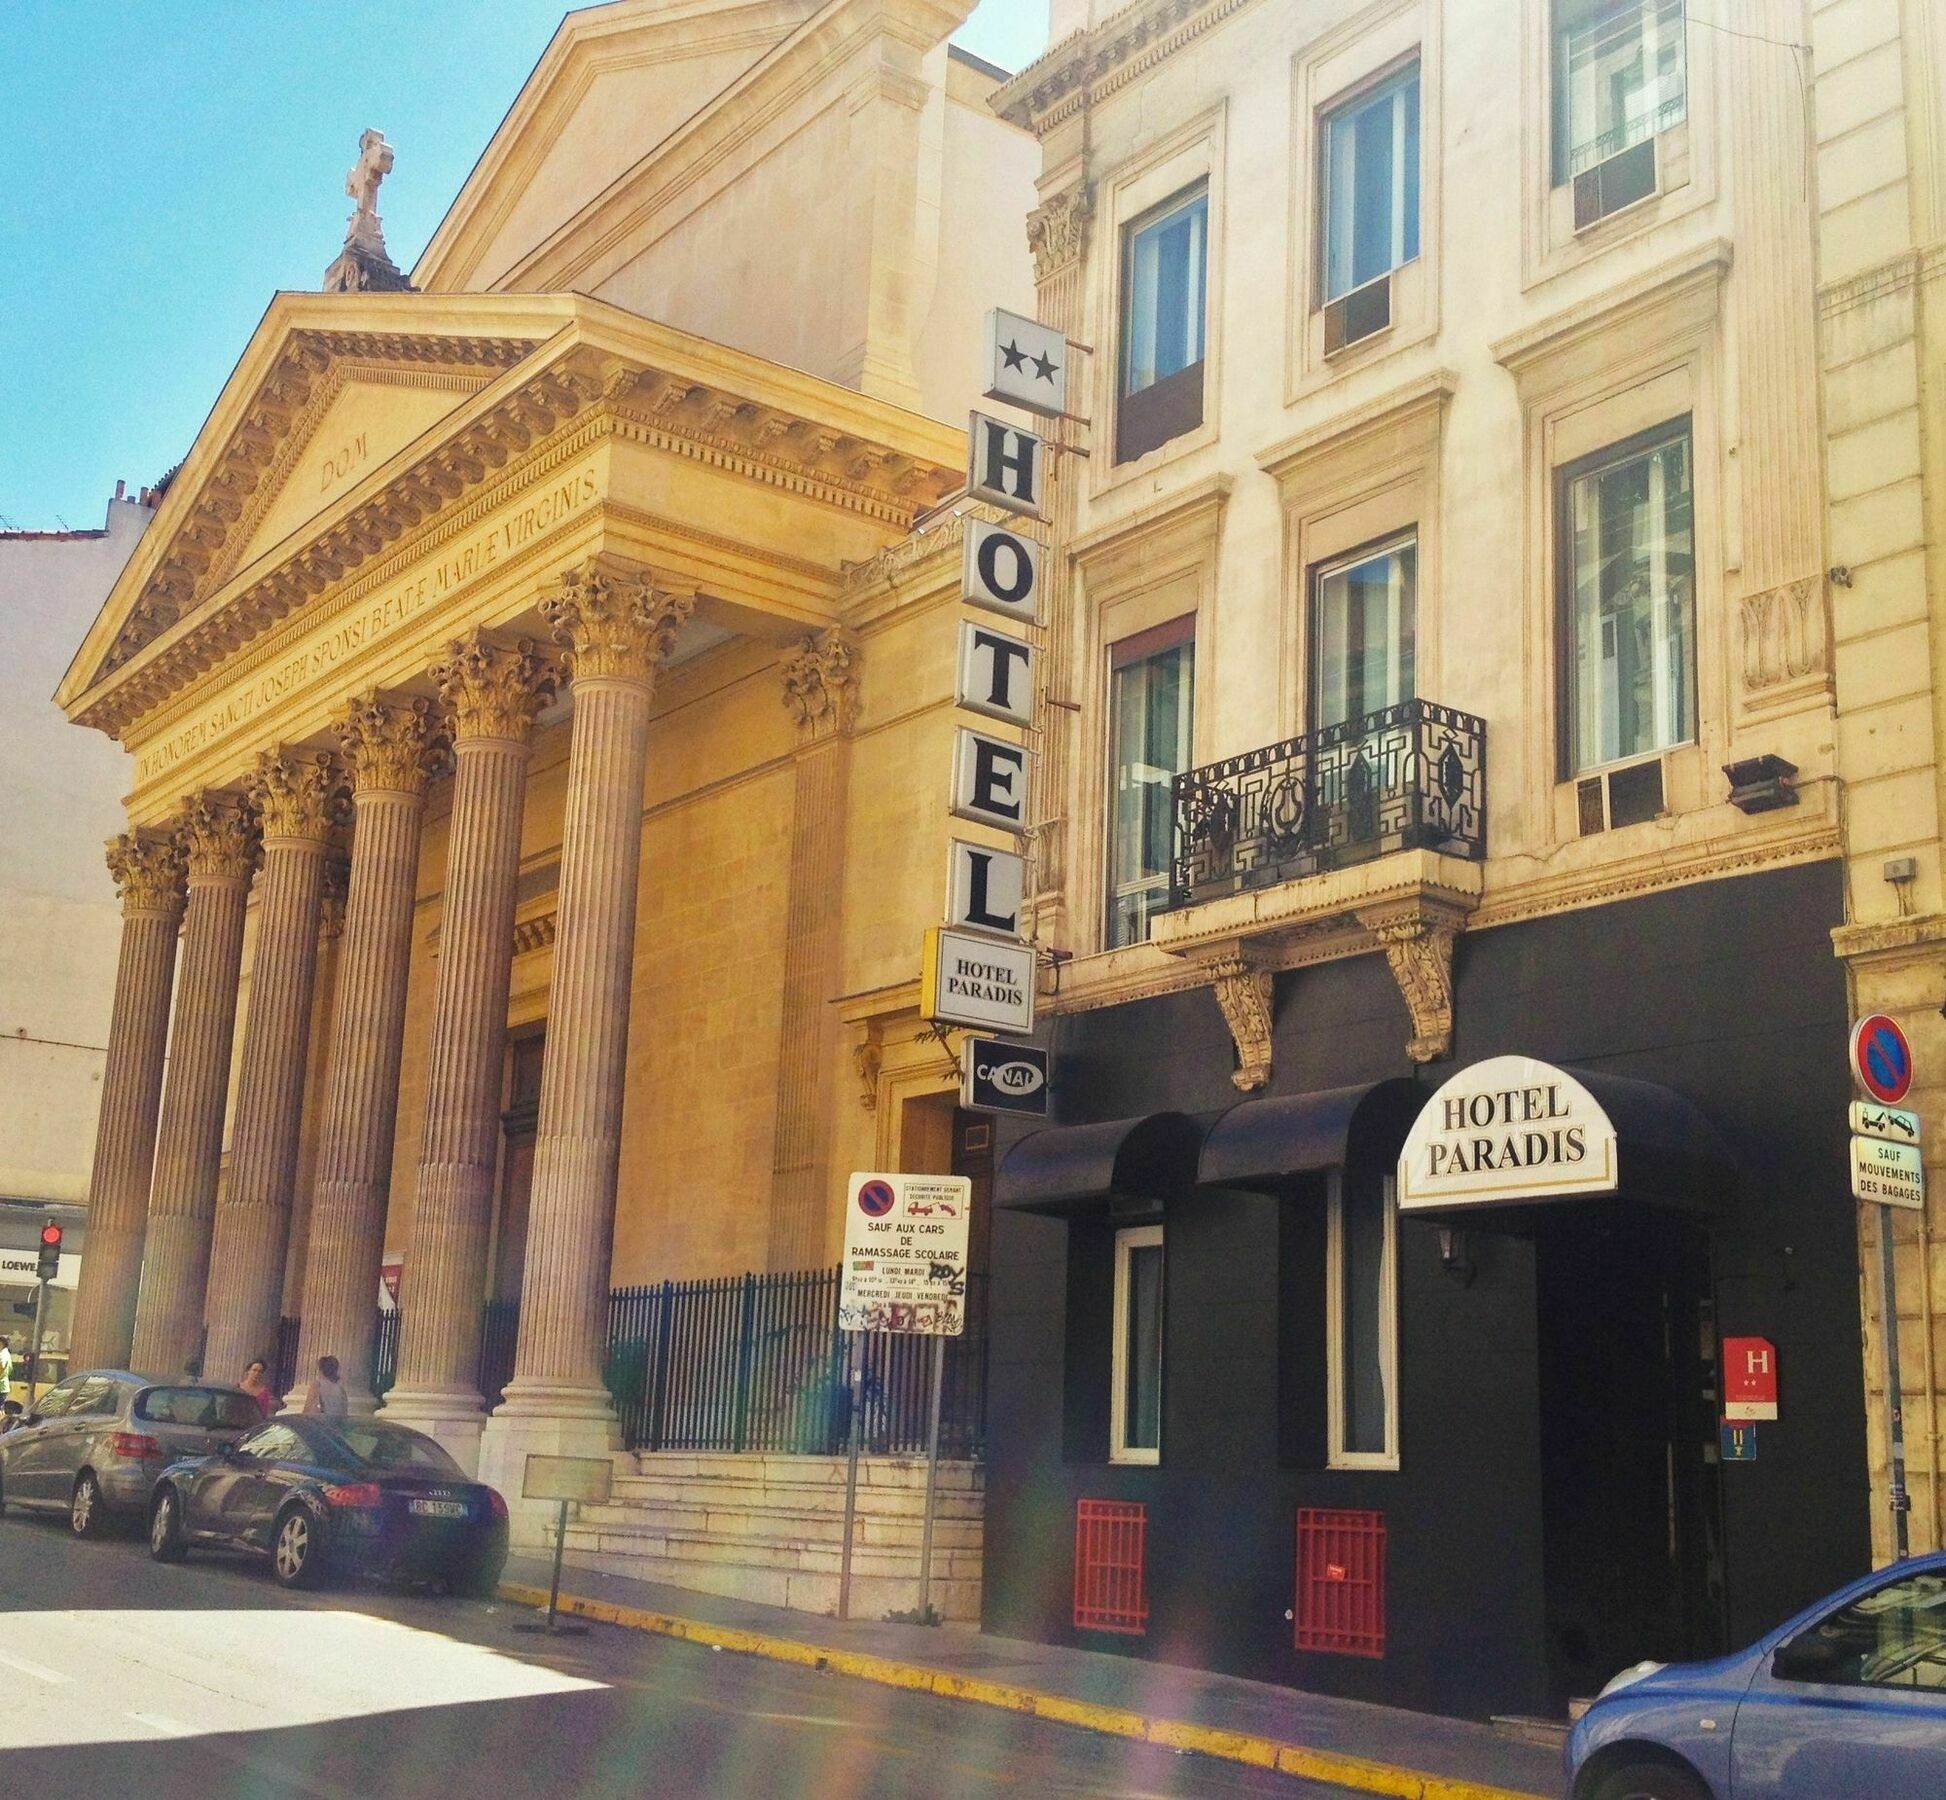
{"x":438,"y":1509}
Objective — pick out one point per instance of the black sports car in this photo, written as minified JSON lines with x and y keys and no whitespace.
{"x":338,"y":1497}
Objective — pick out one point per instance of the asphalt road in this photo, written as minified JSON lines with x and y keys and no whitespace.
{"x":119,"y":1677}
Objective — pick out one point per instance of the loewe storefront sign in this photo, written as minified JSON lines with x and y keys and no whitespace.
{"x":1506,"y":1130}
{"x":378,"y":616}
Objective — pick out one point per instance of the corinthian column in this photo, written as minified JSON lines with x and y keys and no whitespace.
{"x":819,"y":693}
{"x":148,"y":872}
{"x":617,"y":629}
{"x":220,"y":845}
{"x":294,"y":796}
{"x":493,"y":691}
{"x":388,"y":748}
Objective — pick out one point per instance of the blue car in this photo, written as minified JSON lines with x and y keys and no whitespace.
{"x":1847,"y":1700}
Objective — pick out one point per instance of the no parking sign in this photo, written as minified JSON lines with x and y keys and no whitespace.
{"x":1881,"y":1059}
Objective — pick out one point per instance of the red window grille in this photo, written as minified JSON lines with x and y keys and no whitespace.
{"x":1111,"y":1590}
{"x":1340,"y":1581}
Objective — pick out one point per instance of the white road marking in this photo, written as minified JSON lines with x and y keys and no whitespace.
{"x":167,"y":1726}
{"x":34,"y":1669}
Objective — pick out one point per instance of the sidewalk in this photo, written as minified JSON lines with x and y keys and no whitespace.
{"x":1373,"y":1749}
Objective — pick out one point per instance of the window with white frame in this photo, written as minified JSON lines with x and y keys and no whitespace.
{"x":1364,"y":613}
{"x":1150,"y":699}
{"x":1370,"y":166}
{"x":1362,"y":1320}
{"x":1165,"y":274}
{"x":1628,"y":579}
{"x":1135,"y":1402}
{"x":1620,"y":78}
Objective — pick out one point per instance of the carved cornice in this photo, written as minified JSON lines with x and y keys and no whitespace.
{"x":1090,"y":65}
{"x":390,"y":746}
{"x":1057,"y":230}
{"x":297,"y":794}
{"x":493,"y":689}
{"x":533,"y":934}
{"x":821,"y":685}
{"x":614,"y":622}
{"x":1417,"y":938}
{"x":219,"y":839}
{"x":1244,"y":989}
{"x":148,"y":872}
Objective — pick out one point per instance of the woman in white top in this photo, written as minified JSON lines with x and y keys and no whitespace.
{"x":327,"y":1395}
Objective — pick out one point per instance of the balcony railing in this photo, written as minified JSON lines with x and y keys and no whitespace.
{"x":1412,"y":777}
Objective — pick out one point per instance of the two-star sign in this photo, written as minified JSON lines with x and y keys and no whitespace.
{"x":1027,"y":363}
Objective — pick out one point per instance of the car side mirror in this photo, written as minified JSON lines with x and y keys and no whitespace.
{"x":1807,"y":1657}
{"x":231,"y":1452}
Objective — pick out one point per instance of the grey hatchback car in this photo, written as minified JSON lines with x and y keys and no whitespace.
{"x":93,"y":1444}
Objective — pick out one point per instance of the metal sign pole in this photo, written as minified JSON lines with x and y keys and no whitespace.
{"x":932,"y":1482}
{"x":1888,"y":1313}
{"x":560,"y":1545}
{"x":851,"y":1472}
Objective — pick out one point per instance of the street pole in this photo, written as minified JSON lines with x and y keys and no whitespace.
{"x":851,"y":1473}
{"x":34,"y":1380}
{"x":932,"y":1482}
{"x":1888,"y":1313}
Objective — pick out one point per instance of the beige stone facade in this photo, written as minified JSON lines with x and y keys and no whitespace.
{"x":1879,"y":105}
{"x":558,"y":667}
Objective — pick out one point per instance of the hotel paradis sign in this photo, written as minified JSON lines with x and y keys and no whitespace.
{"x":1507,"y":1130}
{"x":375,"y":618}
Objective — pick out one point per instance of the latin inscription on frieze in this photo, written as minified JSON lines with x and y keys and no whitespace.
{"x":390,"y":609}
{"x":336,"y":464}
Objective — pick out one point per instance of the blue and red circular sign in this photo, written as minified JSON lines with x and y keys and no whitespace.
{"x":1881,"y":1059}
{"x":876,"y":1199}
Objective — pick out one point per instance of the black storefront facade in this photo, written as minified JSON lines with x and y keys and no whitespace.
{"x":1557,"y":1508}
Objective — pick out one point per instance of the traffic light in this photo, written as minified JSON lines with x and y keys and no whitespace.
{"x":50,"y":1263}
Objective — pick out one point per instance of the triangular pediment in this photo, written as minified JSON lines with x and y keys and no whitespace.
{"x":612,"y":86}
{"x":332,"y":388}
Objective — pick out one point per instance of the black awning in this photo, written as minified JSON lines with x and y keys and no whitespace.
{"x":1669,"y":1150}
{"x":1072,"y":1168}
{"x":1260,"y":1143}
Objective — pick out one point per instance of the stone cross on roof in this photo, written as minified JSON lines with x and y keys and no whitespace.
{"x":363,"y":265}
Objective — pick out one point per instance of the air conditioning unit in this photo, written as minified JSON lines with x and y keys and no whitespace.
{"x":1621,"y":180}
{"x":1357,"y":315}
{"x":1625,"y":796}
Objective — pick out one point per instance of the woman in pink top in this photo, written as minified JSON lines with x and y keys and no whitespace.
{"x":256,"y":1384}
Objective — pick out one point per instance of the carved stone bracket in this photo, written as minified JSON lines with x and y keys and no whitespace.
{"x":1417,"y":939}
{"x":1057,"y":230}
{"x":1243,"y":990}
{"x":821,"y":685}
{"x":868,"y":1059}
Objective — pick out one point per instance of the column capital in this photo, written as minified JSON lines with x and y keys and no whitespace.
{"x":1057,"y":230}
{"x":821,"y":684}
{"x":614,"y":621}
{"x":218,"y":833}
{"x":148,"y":872}
{"x":296,"y":794}
{"x":493,"y":688}
{"x":388,"y":742}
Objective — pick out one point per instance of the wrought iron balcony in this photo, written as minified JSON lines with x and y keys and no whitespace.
{"x":1412,"y":777}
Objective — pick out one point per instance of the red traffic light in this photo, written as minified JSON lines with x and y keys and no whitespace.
{"x":51,"y":1235}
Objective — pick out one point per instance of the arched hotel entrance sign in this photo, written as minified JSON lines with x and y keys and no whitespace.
{"x":1509,"y":1129}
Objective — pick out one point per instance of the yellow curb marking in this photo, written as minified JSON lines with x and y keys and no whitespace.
{"x":1114,"y":1721}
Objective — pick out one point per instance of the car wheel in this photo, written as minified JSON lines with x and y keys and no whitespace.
{"x":87,"y":1516}
{"x":166,"y":1542}
{"x":1648,"y":1781}
{"x":296,"y":1549}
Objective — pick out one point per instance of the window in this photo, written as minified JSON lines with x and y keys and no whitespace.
{"x":1363,"y":623}
{"x":95,"y":1395}
{"x":275,"y":1443}
{"x":1629,"y":595}
{"x":1361,"y":1319}
{"x":1619,"y":79}
{"x":1165,"y":265}
{"x":1149,"y":706}
{"x":1895,"y":1636}
{"x":1135,"y":1402}
{"x":221,"y":1409}
{"x":1370,"y":164}
{"x":57,"y":1400}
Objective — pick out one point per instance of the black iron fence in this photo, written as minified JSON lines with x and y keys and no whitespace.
{"x":757,"y":1362}
{"x":1410,"y":777}
{"x":746,"y":1362}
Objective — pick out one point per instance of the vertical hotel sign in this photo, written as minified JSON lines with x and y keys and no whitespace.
{"x":978,"y":968}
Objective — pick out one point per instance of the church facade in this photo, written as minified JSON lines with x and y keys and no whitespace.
{"x":531,"y":680}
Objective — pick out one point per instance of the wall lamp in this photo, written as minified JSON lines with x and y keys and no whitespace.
{"x":1456,"y":1254}
{"x":1762,"y":783}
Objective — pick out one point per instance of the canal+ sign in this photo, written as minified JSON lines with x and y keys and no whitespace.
{"x":1504,"y":1131}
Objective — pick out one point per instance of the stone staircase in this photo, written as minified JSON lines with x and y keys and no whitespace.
{"x":771,"y":1529}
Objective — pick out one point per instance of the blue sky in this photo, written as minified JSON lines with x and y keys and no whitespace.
{"x":171,"y":163}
